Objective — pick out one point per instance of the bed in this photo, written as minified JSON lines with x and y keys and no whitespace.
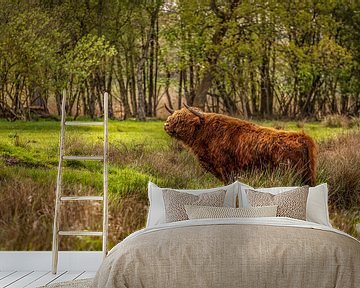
{"x":234,"y":252}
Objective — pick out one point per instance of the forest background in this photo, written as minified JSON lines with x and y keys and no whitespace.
{"x":266,"y":61}
{"x":284,"y":58}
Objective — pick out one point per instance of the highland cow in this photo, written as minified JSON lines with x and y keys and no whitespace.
{"x":225,"y":146}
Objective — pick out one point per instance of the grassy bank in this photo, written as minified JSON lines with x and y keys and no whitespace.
{"x":139,"y":152}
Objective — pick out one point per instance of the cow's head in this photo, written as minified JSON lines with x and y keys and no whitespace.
{"x":184,"y":124}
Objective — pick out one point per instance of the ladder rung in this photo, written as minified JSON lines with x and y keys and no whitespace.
{"x":83,"y":157}
{"x":80,"y":233}
{"x":78,"y":123}
{"x":81,"y":198}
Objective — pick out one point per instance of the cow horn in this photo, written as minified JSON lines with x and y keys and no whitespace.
{"x":197,"y":113}
{"x":171,"y":111}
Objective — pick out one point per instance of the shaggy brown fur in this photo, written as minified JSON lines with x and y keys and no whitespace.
{"x":226,"y":146}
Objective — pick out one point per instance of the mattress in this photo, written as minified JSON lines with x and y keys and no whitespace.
{"x":234,"y":252}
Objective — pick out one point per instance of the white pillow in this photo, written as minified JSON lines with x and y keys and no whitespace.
{"x":156,"y":214}
{"x":317,"y":209}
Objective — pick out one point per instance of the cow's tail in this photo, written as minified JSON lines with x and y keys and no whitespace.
{"x":309,"y":171}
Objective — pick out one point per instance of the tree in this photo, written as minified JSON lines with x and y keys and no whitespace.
{"x":248,"y":58}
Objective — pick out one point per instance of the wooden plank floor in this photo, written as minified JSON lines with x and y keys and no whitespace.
{"x":32,"y":279}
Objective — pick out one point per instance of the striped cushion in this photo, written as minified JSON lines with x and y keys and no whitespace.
{"x":200,"y":212}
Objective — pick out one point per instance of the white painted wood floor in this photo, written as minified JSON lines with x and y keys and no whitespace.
{"x":32,"y":269}
{"x":32,"y":279}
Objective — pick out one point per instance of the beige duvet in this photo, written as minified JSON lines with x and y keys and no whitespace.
{"x":234,"y":253}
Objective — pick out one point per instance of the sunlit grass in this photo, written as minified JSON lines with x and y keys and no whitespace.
{"x":41,"y":139}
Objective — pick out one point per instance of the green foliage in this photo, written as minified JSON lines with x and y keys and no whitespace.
{"x":87,"y":55}
{"x":29,"y":45}
{"x":303,"y":54}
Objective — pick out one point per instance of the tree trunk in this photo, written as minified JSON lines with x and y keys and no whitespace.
{"x":155,"y":102}
{"x":180,"y":88}
{"x":201,"y":92}
{"x":58,"y":100}
{"x":141,"y":113}
{"x":253,"y":92}
{"x":108,"y":86}
{"x":191,"y":95}
{"x":133,"y":86}
{"x":212,"y":54}
{"x":266,"y":95}
{"x":152,"y":89}
{"x":123,"y":90}
{"x":167,"y":86}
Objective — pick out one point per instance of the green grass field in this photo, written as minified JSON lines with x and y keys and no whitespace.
{"x":35,"y":145}
{"x":139,"y":152}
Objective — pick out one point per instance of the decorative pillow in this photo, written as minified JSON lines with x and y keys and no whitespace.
{"x":317,"y":210}
{"x":201,"y":212}
{"x":175,"y":202}
{"x":156,"y":214}
{"x":290,"y":204}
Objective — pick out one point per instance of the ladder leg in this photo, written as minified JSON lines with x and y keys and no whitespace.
{"x":55,"y":243}
{"x":106,"y":154}
{"x":55,"y":249}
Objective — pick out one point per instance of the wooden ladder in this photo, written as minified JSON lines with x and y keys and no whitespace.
{"x":60,"y":198}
